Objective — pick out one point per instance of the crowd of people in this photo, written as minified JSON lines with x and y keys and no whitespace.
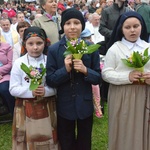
{"x":58,"y":113}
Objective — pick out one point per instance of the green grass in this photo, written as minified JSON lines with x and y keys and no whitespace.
{"x":99,"y":136}
{"x":5,"y":133}
{"x":100,"y":132}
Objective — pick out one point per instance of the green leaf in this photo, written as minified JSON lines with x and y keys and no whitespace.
{"x":33,"y":86}
{"x":41,"y":66}
{"x":43,"y":69}
{"x":138,"y":59}
{"x":127,"y":63}
{"x":25,"y":69}
{"x":67,"y":52}
{"x":77,"y":56}
{"x":70,"y":47}
{"x":80,"y":48}
{"x":92,"y":48}
{"x":43,"y":72}
{"x":146,"y":52}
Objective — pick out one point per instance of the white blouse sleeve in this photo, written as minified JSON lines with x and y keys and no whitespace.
{"x":114,"y":71}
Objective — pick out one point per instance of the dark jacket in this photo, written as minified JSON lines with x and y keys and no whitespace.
{"x":109,"y":18}
{"x":74,"y":91}
{"x":144,"y":10}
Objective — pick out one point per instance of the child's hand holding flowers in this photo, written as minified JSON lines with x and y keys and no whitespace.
{"x":68,"y":62}
{"x":79,"y":66}
{"x":146,"y":77}
{"x":137,"y":61}
{"x":40,"y":91}
{"x":135,"y":76}
{"x":75,"y":49}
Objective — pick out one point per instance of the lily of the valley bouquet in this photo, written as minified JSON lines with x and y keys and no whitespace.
{"x":78,"y":47}
{"x":34,"y":74}
{"x":137,"y":60}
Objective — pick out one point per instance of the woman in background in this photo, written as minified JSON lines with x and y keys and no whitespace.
{"x":49,"y":21}
{"x":5,"y":68}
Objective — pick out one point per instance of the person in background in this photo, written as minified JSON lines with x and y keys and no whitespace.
{"x":76,"y":6}
{"x":74,"y":91}
{"x":92,"y":7}
{"x":94,"y":28}
{"x":144,"y":10}
{"x":61,"y":5}
{"x":69,"y":4}
{"x":49,"y":21}
{"x":32,"y":17}
{"x":13,"y":23}
{"x":11,"y":13}
{"x":5,"y":68}
{"x":59,"y":11}
{"x":109,"y":2}
{"x":101,"y":7}
{"x":20,"y":18}
{"x":86,"y":16}
{"x":34,"y":122}
{"x":131,"y":4}
{"x":38,"y":15}
{"x":4,"y":15}
{"x":137,"y":4}
{"x":86,"y":35}
{"x":128,"y":97}
{"x":17,"y":47}
{"x":108,"y":19}
{"x":8,"y":35}
{"x":39,"y":11}
{"x":83,"y":8}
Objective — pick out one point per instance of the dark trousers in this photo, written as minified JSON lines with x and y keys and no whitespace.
{"x":75,"y":134}
{"x":8,"y":99}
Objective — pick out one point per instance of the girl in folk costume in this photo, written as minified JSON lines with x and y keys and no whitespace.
{"x":34,"y":123}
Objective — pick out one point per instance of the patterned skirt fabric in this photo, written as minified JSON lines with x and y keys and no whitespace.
{"x":35,"y":124}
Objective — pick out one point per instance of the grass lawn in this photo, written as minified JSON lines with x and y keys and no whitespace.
{"x":99,"y":136}
{"x":100,"y":132}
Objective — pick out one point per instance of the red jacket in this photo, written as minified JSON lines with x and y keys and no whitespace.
{"x":61,"y":6}
{"x":11,"y":13}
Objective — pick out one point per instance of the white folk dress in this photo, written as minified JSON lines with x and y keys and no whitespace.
{"x":34,"y":123}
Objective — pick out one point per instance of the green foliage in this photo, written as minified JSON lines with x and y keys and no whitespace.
{"x":76,"y":46}
{"x":36,"y":78}
{"x":5,"y":133}
{"x":137,"y":60}
{"x":100,"y":132}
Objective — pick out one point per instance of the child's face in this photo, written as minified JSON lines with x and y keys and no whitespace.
{"x":72,"y":28}
{"x":35,"y":46}
{"x":21,"y":31}
{"x":131,"y":29}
